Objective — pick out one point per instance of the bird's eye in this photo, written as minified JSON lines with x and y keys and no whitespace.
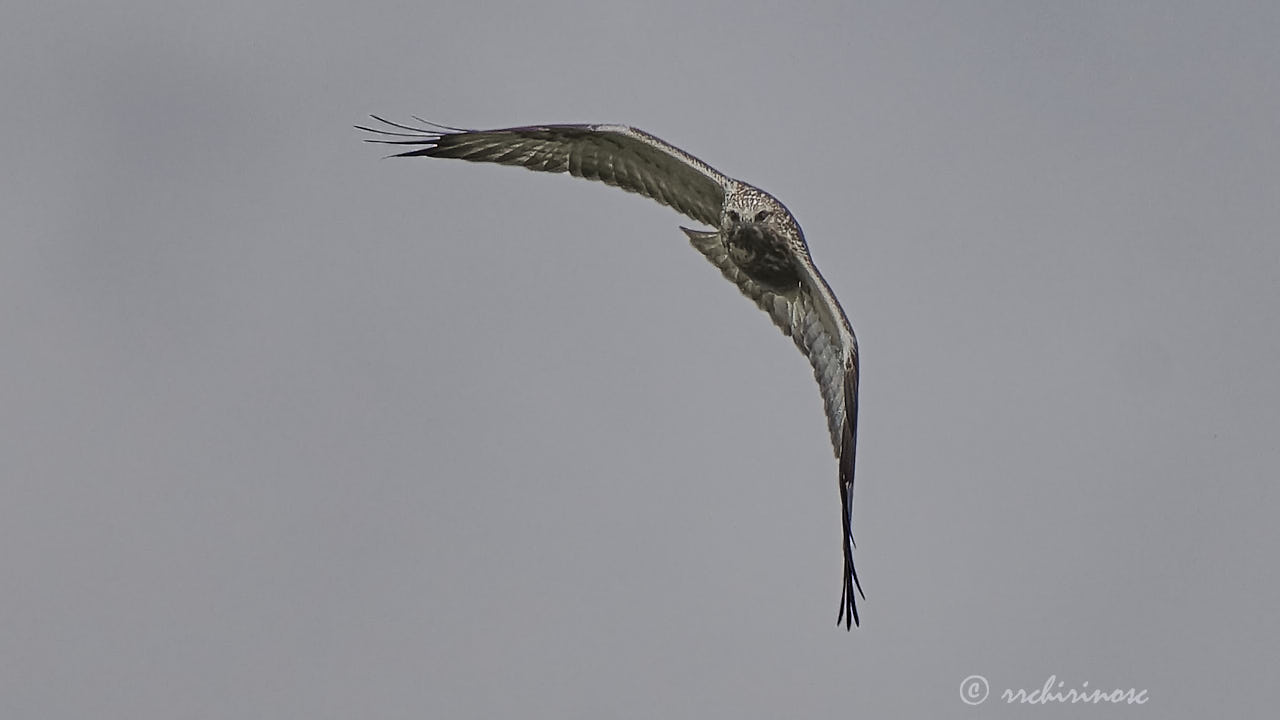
{"x":763,"y":215}
{"x":734,"y":216}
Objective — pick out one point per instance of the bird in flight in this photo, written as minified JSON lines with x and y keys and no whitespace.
{"x":756,"y":244}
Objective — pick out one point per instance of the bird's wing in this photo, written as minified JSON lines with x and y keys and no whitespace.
{"x":613,"y":154}
{"x":812,"y":317}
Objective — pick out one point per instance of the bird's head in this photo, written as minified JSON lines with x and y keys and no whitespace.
{"x":755,"y":211}
{"x":751,"y":217}
{"x":748,"y":229}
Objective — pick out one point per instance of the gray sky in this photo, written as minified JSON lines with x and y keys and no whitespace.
{"x":287,"y":430}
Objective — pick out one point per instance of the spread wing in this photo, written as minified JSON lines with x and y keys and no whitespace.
{"x":641,"y":163}
{"x":616,"y":155}
{"x":812,"y":317}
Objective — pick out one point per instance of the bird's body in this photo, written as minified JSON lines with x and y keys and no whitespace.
{"x":756,"y":244}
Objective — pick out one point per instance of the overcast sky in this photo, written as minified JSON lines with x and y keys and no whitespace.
{"x":291,"y":431}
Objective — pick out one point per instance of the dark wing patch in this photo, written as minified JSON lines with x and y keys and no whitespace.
{"x":613,"y":154}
